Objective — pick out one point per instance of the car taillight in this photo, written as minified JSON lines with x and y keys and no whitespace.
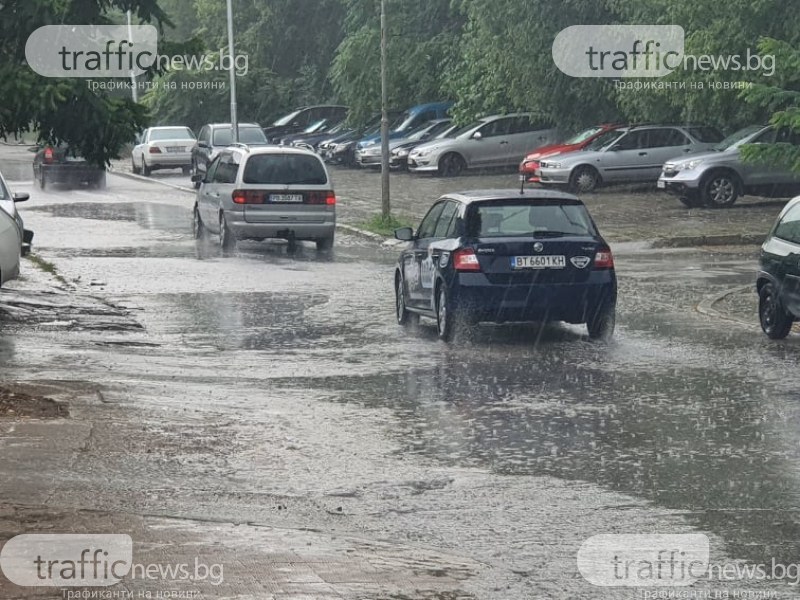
{"x":466,"y":260}
{"x":48,"y":155}
{"x":248,"y":197}
{"x":604,"y":259}
{"x":155,"y":150}
{"x":328,"y":198}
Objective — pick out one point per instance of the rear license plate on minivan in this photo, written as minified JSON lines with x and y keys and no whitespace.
{"x":294,"y":198}
{"x":539,"y":262}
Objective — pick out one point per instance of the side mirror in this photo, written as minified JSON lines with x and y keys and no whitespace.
{"x":203,"y":145}
{"x":405,"y":234}
{"x":21,"y":196}
{"x":477,"y":135}
{"x":198,"y":178}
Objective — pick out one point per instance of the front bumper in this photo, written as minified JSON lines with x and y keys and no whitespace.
{"x":424,"y":164}
{"x":368,"y":160}
{"x":554,"y":176}
{"x":679,"y":183}
{"x":530,"y":171}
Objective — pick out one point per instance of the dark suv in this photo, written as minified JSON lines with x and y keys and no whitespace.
{"x":301,"y":118}
{"x":502,"y":255}
{"x":778,"y":280}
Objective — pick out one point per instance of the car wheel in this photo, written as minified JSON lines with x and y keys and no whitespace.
{"x":691,"y":201}
{"x":404,"y":316}
{"x":226,"y":238}
{"x":145,"y":169}
{"x":186,"y":170}
{"x":325,"y":243}
{"x":720,"y":190}
{"x":451,"y":165}
{"x":199,"y":231}
{"x":601,"y":323}
{"x":775,"y":321}
{"x":42,"y":180}
{"x":195,"y":171}
{"x":583,"y":179}
{"x":134,"y":168}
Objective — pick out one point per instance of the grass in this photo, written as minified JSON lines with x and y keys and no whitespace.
{"x":377,"y":224}
{"x":46,"y":266}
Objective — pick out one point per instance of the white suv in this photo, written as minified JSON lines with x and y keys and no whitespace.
{"x":266,"y":192}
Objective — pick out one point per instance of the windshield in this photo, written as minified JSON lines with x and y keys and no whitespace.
{"x":524,"y":218}
{"x":287,"y":119}
{"x":738,"y":138}
{"x":583,"y":135}
{"x":284,"y":169}
{"x":247,"y":135}
{"x":604,"y":139}
{"x":316,"y":126}
{"x":172,"y":133}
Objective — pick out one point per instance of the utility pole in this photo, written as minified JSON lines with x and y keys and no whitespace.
{"x":234,"y":118}
{"x":385,"y":203}
{"x":134,"y":91}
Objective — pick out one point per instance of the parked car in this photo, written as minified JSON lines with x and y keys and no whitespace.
{"x":716,"y":179}
{"x":371,"y":155}
{"x":398,"y":157}
{"x":529,"y":167}
{"x":15,"y":240}
{"x":628,"y":154}
{"x":216,"y":136}
{"x":300,"y":118}
{"x":497,"y":141}
{"x":504,"y":256}
{"x":778,"y":281}
{"x":62,"y":164}
{"x":266,"y":192}
{"x":408,"y":121}
{"x":163,"y":148}
{"x":312,"y":136}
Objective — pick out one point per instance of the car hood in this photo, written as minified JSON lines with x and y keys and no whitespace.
{"x":706,"y":155}
{"x":550,"y":150}
{"x":436,"y":145}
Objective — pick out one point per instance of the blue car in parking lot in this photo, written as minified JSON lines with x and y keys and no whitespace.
{"x":506,"y":255}
{"x":408,"y":120}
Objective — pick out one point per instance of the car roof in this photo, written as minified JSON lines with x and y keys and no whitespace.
{"x":489,"y":118}
{"x":216,"y":125}
{"x":170,"y":127}
{"x":471,"y":196}
{"x":253,"y":150}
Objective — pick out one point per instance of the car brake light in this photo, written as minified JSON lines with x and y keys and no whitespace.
{"x":466,"y":260}
{"x":247,"y":197}
{"x":604,"y":259}
{"x":48,"y":155}
{"x":155,"y":150}
{"x":328,"y":198}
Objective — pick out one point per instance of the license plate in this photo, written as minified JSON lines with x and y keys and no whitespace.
{"x":539,"y":262}
{"x":661,"y":184}
{"x":175,"y":149}
{"x":294,"y":198}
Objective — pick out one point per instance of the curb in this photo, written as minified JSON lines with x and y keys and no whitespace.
{"x":706,"y":305}
{"x":692,"y":241}
{"x":136,"y":177}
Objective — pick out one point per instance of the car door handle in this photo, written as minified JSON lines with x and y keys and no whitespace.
{"x":687,"y":149}
{"x":214,"y":195}
{"x":503,"y":142}
{"x":642,"y":153}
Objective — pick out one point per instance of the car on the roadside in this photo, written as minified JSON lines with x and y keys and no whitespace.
{"x":313,"y":135}
{"x":529,"y":167}
{"x":303,"y":117}
{"x":62,"y":164}
{"x":398,"y":157}
{"x":631,"y":154}
{"x":371,"y":155}
{"x":213,"y":137}
{"x":506,"y":256}
{"x":408,"y":121}
{"x":163,"y":148}
{"x":15,"y":240}
{"x":266,"y":192}
{"x":716,"y":179}
{"x":496,"y":141}
{"x":778,"y":280}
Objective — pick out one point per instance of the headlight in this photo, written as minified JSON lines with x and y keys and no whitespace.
{"x":401,"y":152}
{"x":688,"y":165}
{"x":368,"y":144}
{"x":550,"y":165}
{"x":421,"y":153}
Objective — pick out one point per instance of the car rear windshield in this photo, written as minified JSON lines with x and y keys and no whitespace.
{"x":173,"y":133}
{"x":285,"y":169}
{"x":513,"y":218}
{"x":247,"y":135}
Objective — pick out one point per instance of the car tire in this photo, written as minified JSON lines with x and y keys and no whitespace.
{"x":42,"y":180}
{"x":134,"y":168}
{"x":601,"y":323}
{"x":186,"y":170}
{"x":405,"y":317}
{"x":720,"y":189}
{"x":199,"y":231}
{"x":451,"y":164}
{"x":776,"y":322}
{"x":584,"y":179}
{"x":145,"y":169}
{"x":226,"y":238}
{"x":195,"y":171}
{"x":325,"y":243}
{"x":691,"y":201}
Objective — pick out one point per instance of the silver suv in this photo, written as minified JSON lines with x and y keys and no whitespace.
{"x":627,"y":154}
{"x":716,"y":179}
{"x":266,"y":192}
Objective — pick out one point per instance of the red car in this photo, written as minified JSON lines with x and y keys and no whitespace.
{"x":529,"y":167}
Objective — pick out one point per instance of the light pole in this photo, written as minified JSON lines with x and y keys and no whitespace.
{"x":134,"y":91}
{"x":234,"y":118}
{"x":385,"y":203}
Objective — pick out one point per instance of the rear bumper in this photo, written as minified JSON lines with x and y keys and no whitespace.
{"x":301,"y":231}
{"x":66,"y":173}
{"x":168,"y":161}
{"x":571,"y":302}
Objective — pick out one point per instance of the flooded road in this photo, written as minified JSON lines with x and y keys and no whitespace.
{"x":274,"y":390}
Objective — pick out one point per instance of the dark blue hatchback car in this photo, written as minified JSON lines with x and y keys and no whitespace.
{"x":505,"y":255}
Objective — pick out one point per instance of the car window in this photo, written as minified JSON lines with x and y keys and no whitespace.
{"x":445,"y":218}
{"x":428,"y":225}
{"x":173,"y":133}
{"x":212,"y":170}
{"x":706,"y":135}
{"x":525,"y":125}
{"x":247,"y":135}
{"x":226,"y":170}
{"x":662,"y":138}
{"x":789,"y":227}
{"x":521,"y":218}
{"x":634,"y":140}
{"x":284,"y":169}
{"x":784,"y":135}
{"x":496,"y":128}
{"x":768,"y":137}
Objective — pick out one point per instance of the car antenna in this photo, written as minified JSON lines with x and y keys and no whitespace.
{"x":521,"y":184}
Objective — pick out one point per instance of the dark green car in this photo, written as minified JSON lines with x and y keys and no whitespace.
{"x":778,"y":281}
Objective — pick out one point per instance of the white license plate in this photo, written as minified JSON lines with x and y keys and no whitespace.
{"x":175,"y":149}
{"x":295,"y":198}
{"x":661,"y":184}
{"x":539,"y":262}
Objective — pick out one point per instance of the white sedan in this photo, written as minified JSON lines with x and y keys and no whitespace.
{"x":12,"y":233}
{"x":163,"y":148}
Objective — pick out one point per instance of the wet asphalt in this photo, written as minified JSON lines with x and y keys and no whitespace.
{"x":275,"y":387}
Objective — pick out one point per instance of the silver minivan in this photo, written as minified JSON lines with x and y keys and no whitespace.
{"x":266,"y":192}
